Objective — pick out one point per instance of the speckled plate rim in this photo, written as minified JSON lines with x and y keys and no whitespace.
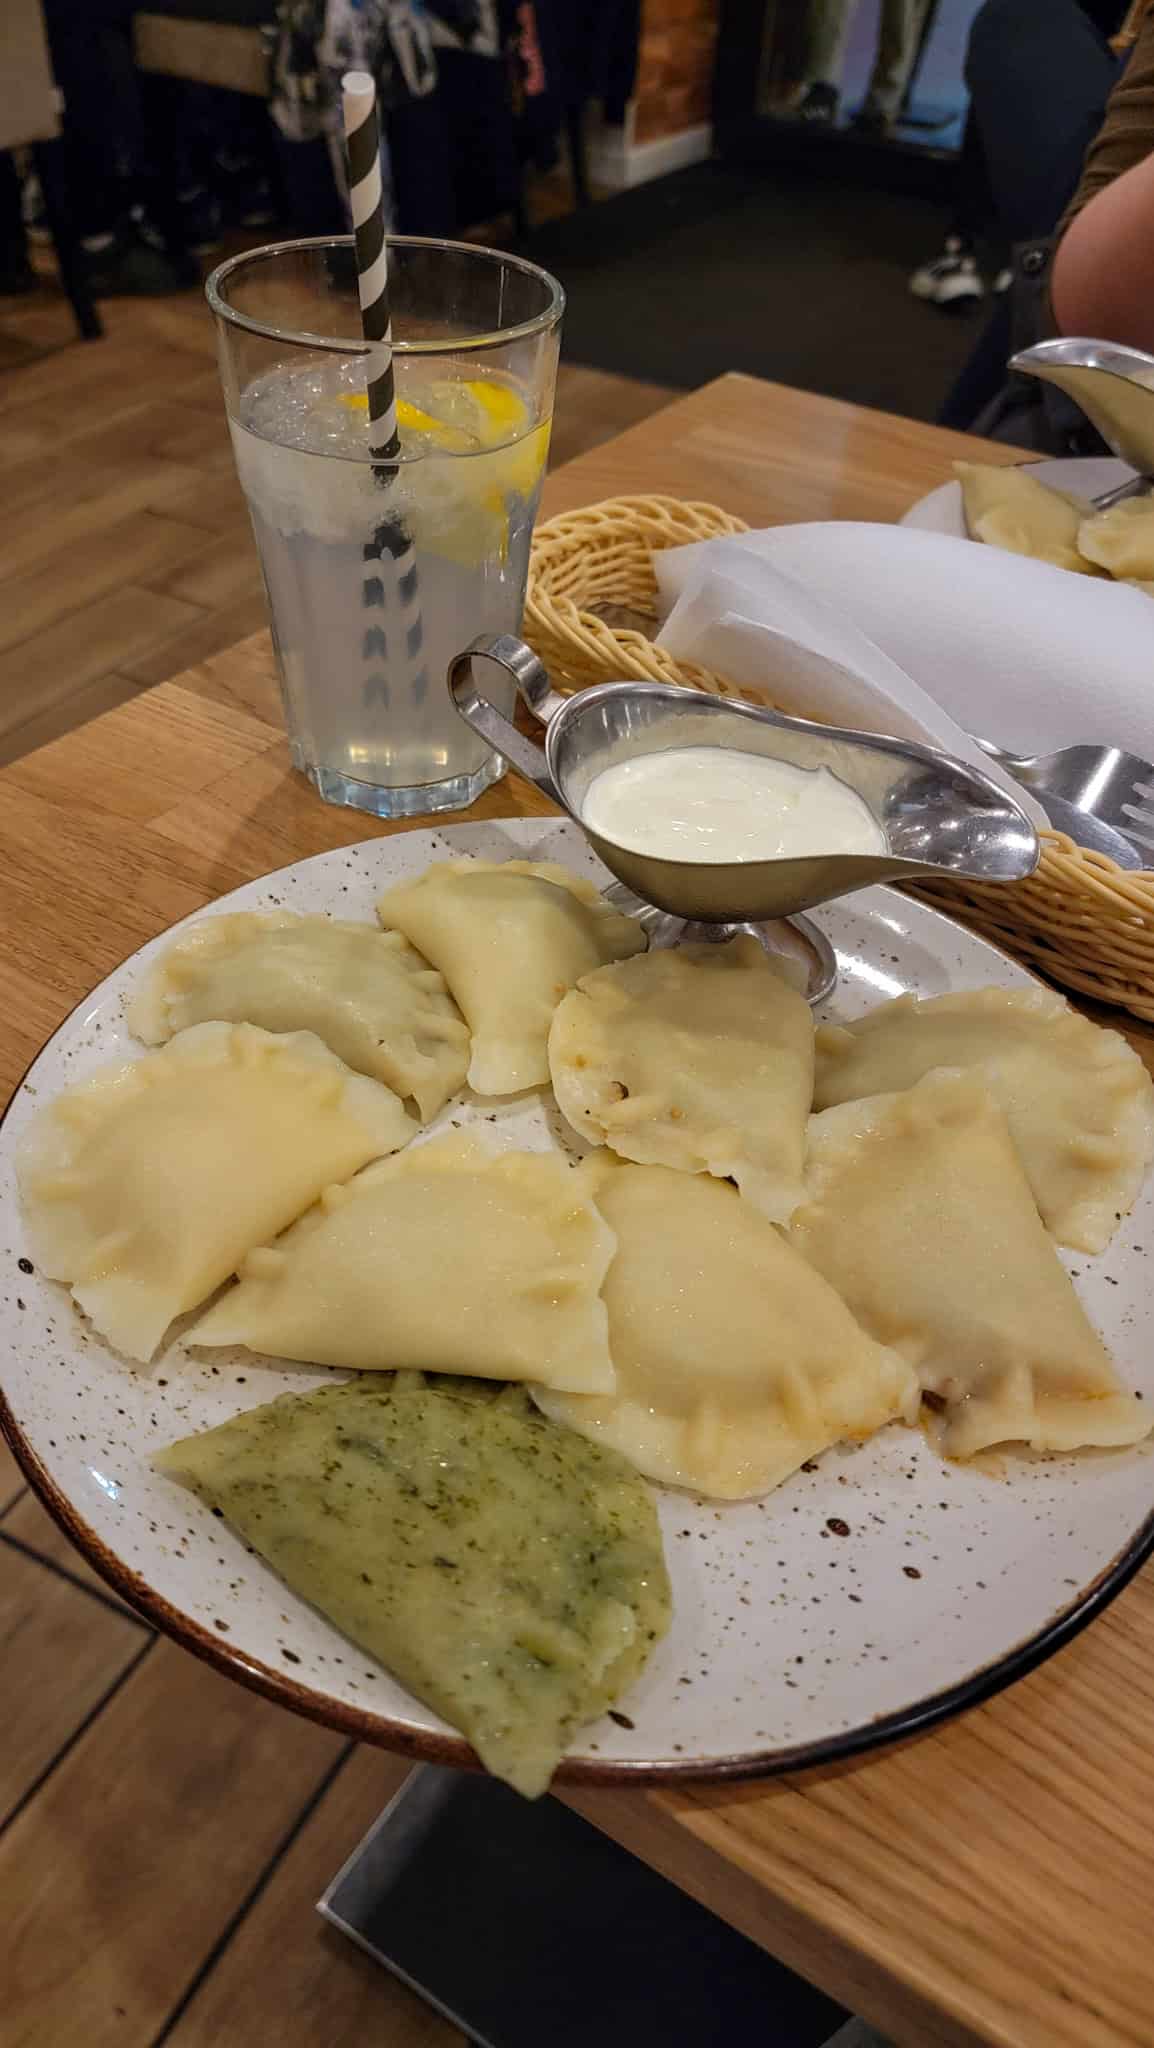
{"x":429,"y":1746}
{"x":425,"y":1746}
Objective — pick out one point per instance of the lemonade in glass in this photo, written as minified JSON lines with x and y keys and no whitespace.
{"x":377,"y":577}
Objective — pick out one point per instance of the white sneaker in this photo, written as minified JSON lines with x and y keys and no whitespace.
{"x":951,"y":279}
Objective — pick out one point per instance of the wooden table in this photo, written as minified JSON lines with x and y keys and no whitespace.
{"x":989,"y":1882}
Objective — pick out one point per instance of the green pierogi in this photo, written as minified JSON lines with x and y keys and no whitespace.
{"x":504,"y":1570}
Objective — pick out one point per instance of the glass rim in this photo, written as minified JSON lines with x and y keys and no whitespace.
{"x":524,"y":330}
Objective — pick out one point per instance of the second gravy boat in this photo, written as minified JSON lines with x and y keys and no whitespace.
{"x":939,"y":816}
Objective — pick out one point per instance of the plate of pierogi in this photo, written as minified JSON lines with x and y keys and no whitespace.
{"x":501,"y":1341}
{"x":1047,"y":510}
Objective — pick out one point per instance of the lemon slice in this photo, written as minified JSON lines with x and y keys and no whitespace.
{"x":520,"y":467}
{"x":503,"y":412}
{"x":495,"y":413}
{"x":492,"y":413}
{"x":454,"y":440}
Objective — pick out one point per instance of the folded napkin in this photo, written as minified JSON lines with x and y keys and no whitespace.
{"x":811,"y":661}
{"x":936,"y":637}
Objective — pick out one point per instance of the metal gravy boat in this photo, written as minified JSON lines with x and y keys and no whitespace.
{"x":1114,"y":387}
{"x":939,"y":816}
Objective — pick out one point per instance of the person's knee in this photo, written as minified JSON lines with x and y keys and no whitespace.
{"x":997,"y":27}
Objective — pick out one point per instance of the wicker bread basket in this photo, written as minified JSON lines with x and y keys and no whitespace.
{"x":589,"y":612}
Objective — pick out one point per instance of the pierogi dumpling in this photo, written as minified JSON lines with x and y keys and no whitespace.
{"x":511,"y":938}
{"x":1121,"y":540}
{"x":735,"y":1360}
{"x":145,"y":1187}
{"x":534,"y":1585}
{"x":1008,"y":508}
{"x":698,"y":1057}
{"x":367,"y":994}
{"x":463,"y":1261}
{"x":1079,"y":1101}
{"x":920,"y":1214}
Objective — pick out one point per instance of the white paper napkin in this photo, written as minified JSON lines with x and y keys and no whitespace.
{"x":1023,"y":653}
{"x":811,"y":660}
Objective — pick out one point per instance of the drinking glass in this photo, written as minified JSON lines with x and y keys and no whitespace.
{"x":377,"y":574}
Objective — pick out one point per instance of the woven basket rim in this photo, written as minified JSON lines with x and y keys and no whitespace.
{"x":1079,"y":918}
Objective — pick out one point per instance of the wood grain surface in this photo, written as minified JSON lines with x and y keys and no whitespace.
{"x":143,"y":1845}
{"x":284,"y":1979}
{"x":127,"y":554}
{"x":988,"y":1883}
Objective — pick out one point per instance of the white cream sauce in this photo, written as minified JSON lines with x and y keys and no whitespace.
{"x":719,"y":804}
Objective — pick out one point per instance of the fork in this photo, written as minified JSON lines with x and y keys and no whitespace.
{"x":1102,"y":782}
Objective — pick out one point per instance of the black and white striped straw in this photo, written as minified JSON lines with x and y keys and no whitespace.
{"x":390,"y":577}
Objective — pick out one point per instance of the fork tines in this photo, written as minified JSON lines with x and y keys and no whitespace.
{"x":1140,"y":827}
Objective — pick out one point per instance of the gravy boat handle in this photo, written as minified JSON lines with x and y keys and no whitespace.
{"x":535,"y":691}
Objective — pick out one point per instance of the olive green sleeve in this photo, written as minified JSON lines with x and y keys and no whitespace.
{"x":1127,"y":131}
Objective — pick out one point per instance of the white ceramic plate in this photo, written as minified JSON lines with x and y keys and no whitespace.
{"x":866,"y":1597}
{"x":1087,"y":476}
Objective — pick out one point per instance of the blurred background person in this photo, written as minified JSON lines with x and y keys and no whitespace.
{"x":16,"y":273}
{"x":155,"y":166}
{"x":1039,"y":73}
{"x":900,"y":25}
{"x":120,"y":205}
{"x":953,"y":279}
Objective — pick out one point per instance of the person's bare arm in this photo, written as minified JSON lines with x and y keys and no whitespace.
{"x":1102,"y":282}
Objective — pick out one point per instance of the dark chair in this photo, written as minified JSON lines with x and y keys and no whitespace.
{"x":30,"y":118}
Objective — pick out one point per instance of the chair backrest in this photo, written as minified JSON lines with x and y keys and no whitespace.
{"x":228,"y":53}
{"x":29,"y":102}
